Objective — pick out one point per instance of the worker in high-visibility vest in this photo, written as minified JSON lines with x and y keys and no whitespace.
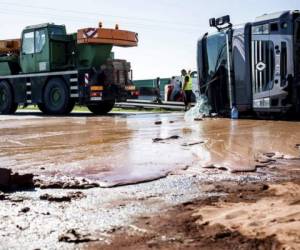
{"x":187,"y":88}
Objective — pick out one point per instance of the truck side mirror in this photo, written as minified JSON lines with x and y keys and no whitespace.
{"x":219,"y":23}
{"x":212,"y":22}
{"x":222,"y":20}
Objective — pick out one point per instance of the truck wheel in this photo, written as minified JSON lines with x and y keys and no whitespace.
{"x":101,"y":108}
{"x":7,"y":105}
{"x":57,"y":99}
{"x":68,"y":110}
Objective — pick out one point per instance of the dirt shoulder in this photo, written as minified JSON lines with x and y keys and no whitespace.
{"x":250,"y":216}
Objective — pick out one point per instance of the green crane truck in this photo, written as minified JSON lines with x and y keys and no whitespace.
{"x":54,"y":70}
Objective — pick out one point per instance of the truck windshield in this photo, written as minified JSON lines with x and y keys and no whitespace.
{"x":40,"y":40}
{"x":216,"y":55}
{"x":28,"y":43}
{"x":215,"y":72}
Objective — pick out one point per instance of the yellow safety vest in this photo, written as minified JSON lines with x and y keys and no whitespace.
{"x":189,"y":85}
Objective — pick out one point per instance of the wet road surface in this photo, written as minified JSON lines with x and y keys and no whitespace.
{"x":113,"y":150}
{"x":117,"y":150}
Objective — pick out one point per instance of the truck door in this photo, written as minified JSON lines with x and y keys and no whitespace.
{"x":35,"y":51}
{"x":41,"y":50}
{"x":27,"y":56}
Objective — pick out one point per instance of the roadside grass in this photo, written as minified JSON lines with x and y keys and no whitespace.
{"x":85,"y":109}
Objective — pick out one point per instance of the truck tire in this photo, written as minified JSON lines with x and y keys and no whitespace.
{"x":68,"y":110}
{"x":7,"y":104}
{"x":56,"y":98}
{"x":101,"y":108}
{"x":42,"y":108}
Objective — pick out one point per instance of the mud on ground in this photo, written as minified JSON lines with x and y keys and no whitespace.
{"x":252,"y":216}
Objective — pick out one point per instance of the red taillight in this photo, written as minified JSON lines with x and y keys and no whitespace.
{"x":96,"y":94}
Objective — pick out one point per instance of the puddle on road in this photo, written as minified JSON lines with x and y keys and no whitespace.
{"x":119,"y":150}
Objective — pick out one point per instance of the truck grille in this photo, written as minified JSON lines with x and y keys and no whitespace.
{"x":262,"y":65}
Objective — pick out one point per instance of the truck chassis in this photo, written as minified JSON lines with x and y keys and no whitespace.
{"x":56,"y":92}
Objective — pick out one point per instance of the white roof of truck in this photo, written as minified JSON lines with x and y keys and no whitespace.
{"x":275,"y":15}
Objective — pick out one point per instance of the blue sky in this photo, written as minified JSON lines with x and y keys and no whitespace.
{"x":168,"y":29}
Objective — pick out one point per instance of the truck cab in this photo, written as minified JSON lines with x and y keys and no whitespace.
{"x":254,"y":66}
{"x":43,"y":48}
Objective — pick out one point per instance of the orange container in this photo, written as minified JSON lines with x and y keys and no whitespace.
{"x":116,"y":37}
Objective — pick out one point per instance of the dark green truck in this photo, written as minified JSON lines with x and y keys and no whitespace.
{"x":54,"y":70}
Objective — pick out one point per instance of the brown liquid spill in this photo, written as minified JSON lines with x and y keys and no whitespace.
{"x":118,"y":150}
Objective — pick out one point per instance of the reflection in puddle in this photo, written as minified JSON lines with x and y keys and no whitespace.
{"x":120,"y":150}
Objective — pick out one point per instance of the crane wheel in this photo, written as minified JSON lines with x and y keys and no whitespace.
{"x":68,"y":109}
{"x":7,"y":104}
{"x":56,"y":98}
{"x":101,"y":108}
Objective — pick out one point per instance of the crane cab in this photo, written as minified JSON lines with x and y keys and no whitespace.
{"x":41,"y":47}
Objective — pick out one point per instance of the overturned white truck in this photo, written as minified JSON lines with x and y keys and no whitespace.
{"x":254,"y":67}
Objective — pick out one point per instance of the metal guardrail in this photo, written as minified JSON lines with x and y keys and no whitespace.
{"x":179,"y":106}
